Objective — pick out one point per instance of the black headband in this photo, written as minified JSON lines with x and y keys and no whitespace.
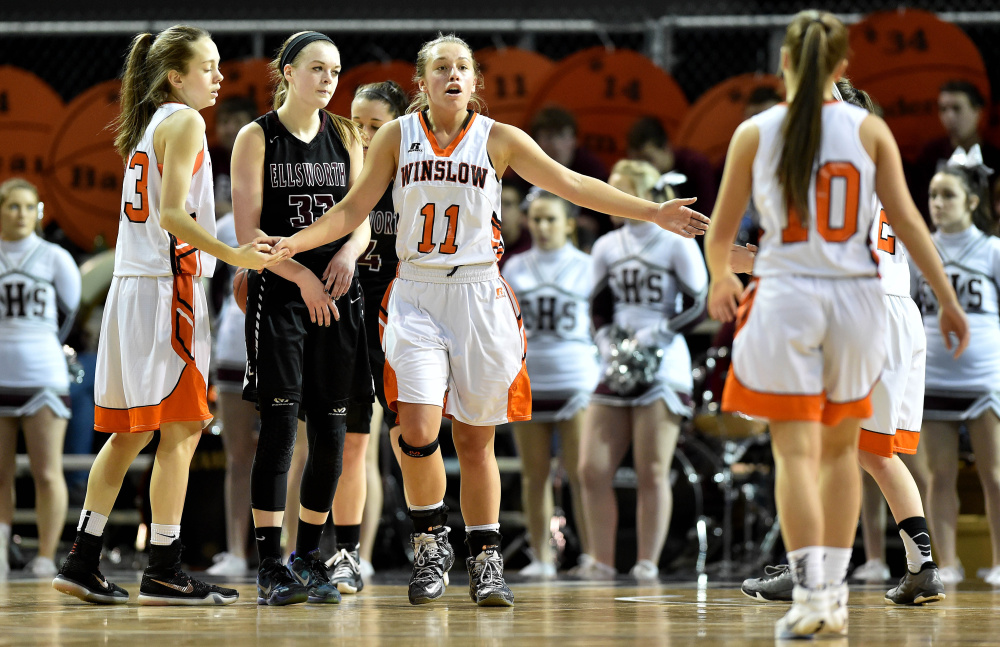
{"x":298,"y":44}
{"x":378,"y":94}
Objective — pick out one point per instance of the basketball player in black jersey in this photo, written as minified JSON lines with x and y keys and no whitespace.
{"x":306,"y":347}
{"x":358,"y":503}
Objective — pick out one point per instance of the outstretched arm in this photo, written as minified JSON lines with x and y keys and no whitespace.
{"x":510,"y":146}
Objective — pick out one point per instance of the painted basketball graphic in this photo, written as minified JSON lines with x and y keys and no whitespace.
{"x":512,"y":78}
{"x":29,"y":110}
{"x":86,"y":171}
{"x":250,"y":78}
{"x":607,"y":92}
{"x":375,"y":72}
{"x":901,"y":58}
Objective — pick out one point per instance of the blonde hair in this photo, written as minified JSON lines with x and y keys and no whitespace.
{"x":816,"y":43}
{"x":346,"y":129}
{"x":420,"y":101}
{"x":144,"y":79}
{"x":14,"y":184}
{"x":643,"y":175}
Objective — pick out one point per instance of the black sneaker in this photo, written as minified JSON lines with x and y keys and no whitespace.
{"x":164,"y":583}
{"x":345,"y":571}
{"x":918,"y":588}
{"x":433,"y":557}
{"x":276,"y":586}
{"x":487,"y":587}
{"x":775,"y":586}
{"x":81,"y":577}
{"x":310,"y":571}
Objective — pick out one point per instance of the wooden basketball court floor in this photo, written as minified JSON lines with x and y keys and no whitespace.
{"x":562,"y":612}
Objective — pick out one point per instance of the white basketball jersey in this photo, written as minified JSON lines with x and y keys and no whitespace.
{"x":972,"y":262}
{"x":144,"y":247}
{"x":39,"y":295}
{"x":448,"y":200}
{"x":893,"y":266}
{"x":835,"y":241}
{"x":553,"y":290}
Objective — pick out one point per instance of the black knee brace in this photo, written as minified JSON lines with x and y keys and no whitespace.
{"x":325,"y":463}
{"x":418,"y":452}
{"x":269,"y":475}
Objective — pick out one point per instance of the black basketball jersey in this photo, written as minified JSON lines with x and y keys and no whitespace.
{"x":301,"y":181}
{"x":377,"y":266}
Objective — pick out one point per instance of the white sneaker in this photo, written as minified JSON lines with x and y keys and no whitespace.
{"x":538,"y":569}
{"x":838,"y":611}
{"x":4,"y":546}
{"x":595,"y":570}
{"x":951,"y":574}
{"x":41,"y":567}
{"x":874,"y":570}
{"x":990,"y":575}
{"x":583,"y":562}
{"x":811,"y":613}
{"x":227,"y":564}
{"x":645,"y":571}
{"x":367,"y":570}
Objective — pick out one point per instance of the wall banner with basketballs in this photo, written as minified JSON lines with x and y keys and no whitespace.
{"x":902,"y":58}
{"x":86,"y":172}
{"x":512,"y":77}
{"x":608,"y":91}
{"x":375,"y":72}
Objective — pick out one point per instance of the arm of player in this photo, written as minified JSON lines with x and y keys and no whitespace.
{"x":340,"y":270}
{"x":909,"y":227}
{"x":734,"y":194}
{"x":347,"y":215}
{"x":510,"y":146}
{"x":181,"y":137}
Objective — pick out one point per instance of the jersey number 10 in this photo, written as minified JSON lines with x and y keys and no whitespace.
{"x":836,"y":183}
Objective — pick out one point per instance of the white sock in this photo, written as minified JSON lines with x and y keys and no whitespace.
{"x":488,"y":527}
{"x":5,"y":531}
{"x":807,"y":566}
{"x":161,"y":534}
{"x":433,"y":506}
{"x":92,"y":523}
{"x":835,"y":564}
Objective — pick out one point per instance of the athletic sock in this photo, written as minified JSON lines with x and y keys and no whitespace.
{"x":807,"y":566}
{"x":268,"y":542}
{"x":479,"y":538}
{"x":835,"y":564}
{"x":161,"y":534}
{"x":307,"y":538}
{"x":917,"y":540}
{"x":92,"y":523}
{"x":348,"y":537}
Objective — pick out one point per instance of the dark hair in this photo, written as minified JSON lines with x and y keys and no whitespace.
{"x":234,"y":106}
{"x":144,"y":80}
{"x":970,"y":90}
{"x":552,"y":119}
{"x":975,"y":181}
{"x":816,"y":42}
{"x":388,"y":92}
{"x":764,"y":94}
{"x":855,"y":96}
{"x":648,"y":130}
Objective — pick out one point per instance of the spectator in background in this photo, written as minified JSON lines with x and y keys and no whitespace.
{"x":41,"y":292}
{"x":960,"y":107}
{"x":555,"y":131}
{"x":647,"y":140}
{"x":232,"y":114}
{"x":516,"y":237}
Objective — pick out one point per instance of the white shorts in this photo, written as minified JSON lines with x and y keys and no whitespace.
{"x":807,"y":349}
{"x":455,"y":341}
{"x":229,"y":356}
{"x":898,"y":398}
{"x":153,"y":355}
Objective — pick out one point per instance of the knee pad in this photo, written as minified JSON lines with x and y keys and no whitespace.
{"x":269,"y":475}
{"x":325,"y":462}
{"x":418,"y":452}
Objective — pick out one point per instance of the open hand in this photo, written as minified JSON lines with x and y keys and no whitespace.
{"x":675,"y":216}
{"x":339,"y":273}
{"x":322,"y":309}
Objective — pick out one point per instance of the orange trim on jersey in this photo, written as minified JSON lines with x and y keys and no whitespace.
{"x":774,"y":406}
{"x":198,"y":161}
{"x":885,"y":445}
{"x":188,"y":402}
{"x":182,"y":318}
{"x":835,"y":412}
{"x":446,"y":152}
{"x":746,"y":303}
{"x":519,"y":392}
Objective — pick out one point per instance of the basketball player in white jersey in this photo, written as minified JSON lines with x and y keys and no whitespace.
{"x":809,"y":345}
{"x":153,"y":354}
{"x":39,"y":296}
{"x":964,"y":390}
{"x":452,"y":329}
{"x":552,"y":281}
{"x":654,"y":285}
{"x":892,"y":430}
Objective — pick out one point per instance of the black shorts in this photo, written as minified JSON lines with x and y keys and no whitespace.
{"x":359,"y":416}
{"x":324,"y":369}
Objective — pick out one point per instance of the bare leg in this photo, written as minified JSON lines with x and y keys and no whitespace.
{"x":8,"y":468}
{"x":654,"y":432}
{"x":570,"y":433}
{"x":534,"y":446}
{"x":240,"y":442}
{"x":423,"y":478}
{"x":895,"y":482}
{"x":607,"y":434}
{"x":984,"y":432}
{"x":872,"y":514}
{"x":940,"y":442}
{"x":480,"y":475}
{"x":840,"y":483}
{"x":352,"y":489}
{"x":109,"y":469}
{"x":44,"y":435}
{"x":374,"y":501}
{"x":797,"y":452}
{"x":171,"y":465}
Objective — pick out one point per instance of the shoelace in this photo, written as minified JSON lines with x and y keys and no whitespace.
{"x":427,"y":558}
{"x":344,"y":565}
{"x":770,"y":571}
{"x":489,"y":571}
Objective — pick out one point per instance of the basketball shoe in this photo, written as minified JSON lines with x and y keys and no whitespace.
{"x":433,"y":557}
{"x":813,"y":612}
{"x":310,"y":571}
{"x":276,"y":586}
{"x":487,"y":587}
{"x":81,"y":577}
{"x":346,"y":571}
{"x":164,"y":583}
{"x":918,"y":588}
{"x":775,"y":586}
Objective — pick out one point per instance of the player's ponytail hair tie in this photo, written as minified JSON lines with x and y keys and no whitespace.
{"x":298,"y":44}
